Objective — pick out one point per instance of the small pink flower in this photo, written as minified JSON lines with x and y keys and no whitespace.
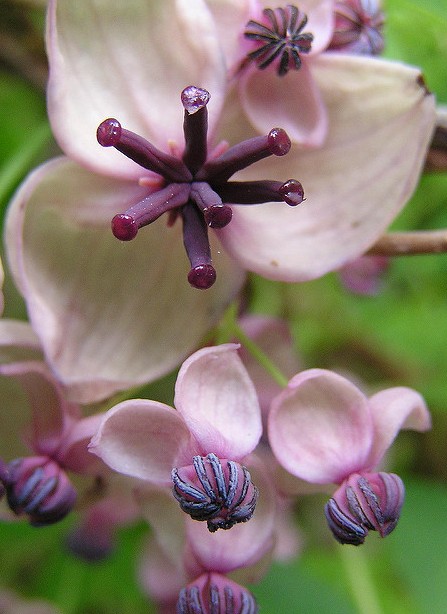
{"x":200,"y":446}
{"x":324,"y":430}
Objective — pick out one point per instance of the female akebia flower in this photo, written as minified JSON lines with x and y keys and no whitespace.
{"x":197,"y":187}
{"x":113,"y":315}
{"x":38,"y":485}
{"x":324,"y":430}
{"x":198,"y":450}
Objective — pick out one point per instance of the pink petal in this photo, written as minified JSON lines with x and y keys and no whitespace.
{"x":218,"y":401}
{"x":295,"y":99}
{"x":110,"y":315}
{"x":50,"y":415}
{"x":18,"y":342}
{"x":320,"y":428}
{"x":352,"y":196}
{"x":392,"y":410}
{"x":131,"y":61}
{"x":141,"y":439}
{"x":74,"y":453}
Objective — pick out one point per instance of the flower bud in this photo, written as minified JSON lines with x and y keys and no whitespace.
{"x":365,"y":502}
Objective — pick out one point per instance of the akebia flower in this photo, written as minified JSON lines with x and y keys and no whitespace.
{"x":213,"y":592}
{"x":197,"y":187}
{"x":112,"y":314}
{"x":37,"y":485}
{"x":324,"y":430}
{"x":358,"y":27}
{"x":197,"y":450}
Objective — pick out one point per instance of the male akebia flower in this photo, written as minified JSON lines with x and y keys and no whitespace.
{"x":39,"y":487}
{"x":358,"y":27}
{"x":324,"y":430}
{"x":214,"y":593}
{"x":197,"y":187}
{"x":197,"y":451}
{"x":220,"y":492}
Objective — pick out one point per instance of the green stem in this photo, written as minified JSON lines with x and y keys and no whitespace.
{"x":16,"y":167}
{"x":360,"y":580}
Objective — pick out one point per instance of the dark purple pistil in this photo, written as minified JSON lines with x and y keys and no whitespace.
{"x":279,"y":37}
{"x":197,"y":187}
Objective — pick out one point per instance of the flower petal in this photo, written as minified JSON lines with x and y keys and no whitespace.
{"x":18,"y":342}
{"x":110,"y":315}
{"x":392,"y":410}
{"x":295,"y":99}
{"x":218,"y":401}
{"x":320,"y":428}
{"x":74,"y":453}
{"x":141,"y":439}
{"x":380,"y":123}
{"x":50,"y":415}
{"x":106,"y":57}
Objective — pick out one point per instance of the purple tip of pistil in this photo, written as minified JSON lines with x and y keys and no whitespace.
{"x":109,"y":132}
{"x":194,"y":98}
{"x":278,"y":142}
{"x":202,"y":276}
{"x":124,"y":227}
{"x":292,"y":192}
{"x":218,"y":216}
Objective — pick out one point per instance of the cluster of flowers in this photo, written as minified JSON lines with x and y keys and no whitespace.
{"x":111,"y":310}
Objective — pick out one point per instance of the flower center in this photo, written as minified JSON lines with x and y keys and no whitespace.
{"x":279,"y":37}
{"x":39,"y":487}
{"x":218,"y":491}
{"x":365,"y":502}
{"x":197,"y":187}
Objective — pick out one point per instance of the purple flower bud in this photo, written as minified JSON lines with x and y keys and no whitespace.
{"x":218,"y":491}
{"x":365,"y":502}
{"x":215,"y":594}
{"x":38,"y":487}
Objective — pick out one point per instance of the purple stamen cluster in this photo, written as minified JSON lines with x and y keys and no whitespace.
{"x":197,"y":187}
{"x":358,"y":27}
{"x":38,"y":487}
{"x":215,"y":595}
{"x":279,"y":36}
{"x":365,"y":502}
{"x":218,"y":491}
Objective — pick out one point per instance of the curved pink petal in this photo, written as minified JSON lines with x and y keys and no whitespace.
{"x":245,"y":544}
{"x":320,"y":428}
{"x":218,"y":401}
{"x":18,"y":342}
{"x":110,"y":315}
{"x":128,"y":60}
{"x":292,"y":102}
{"x":380,"y":123}
{"x":142,"y":439}
{"x":230,"y":17}
{"x":73,"y":452}
{"x":392,"y":410}
{"x":50,"y":413}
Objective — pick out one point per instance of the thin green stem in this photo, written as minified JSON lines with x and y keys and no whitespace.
{"x":16,"y":167}
{"x":360,"y":580}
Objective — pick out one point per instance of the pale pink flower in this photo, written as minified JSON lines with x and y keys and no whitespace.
{"x":36,"y":417}
{"x":114,"y":315}
{"x":324,"y":430}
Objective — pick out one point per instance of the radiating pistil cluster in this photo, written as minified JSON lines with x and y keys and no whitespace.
{"x":218,"y":491}
{"x":38,"y":487}
{"x":280,"y":36}
{"x":365,"y":502}
{"x":197,"y":187}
